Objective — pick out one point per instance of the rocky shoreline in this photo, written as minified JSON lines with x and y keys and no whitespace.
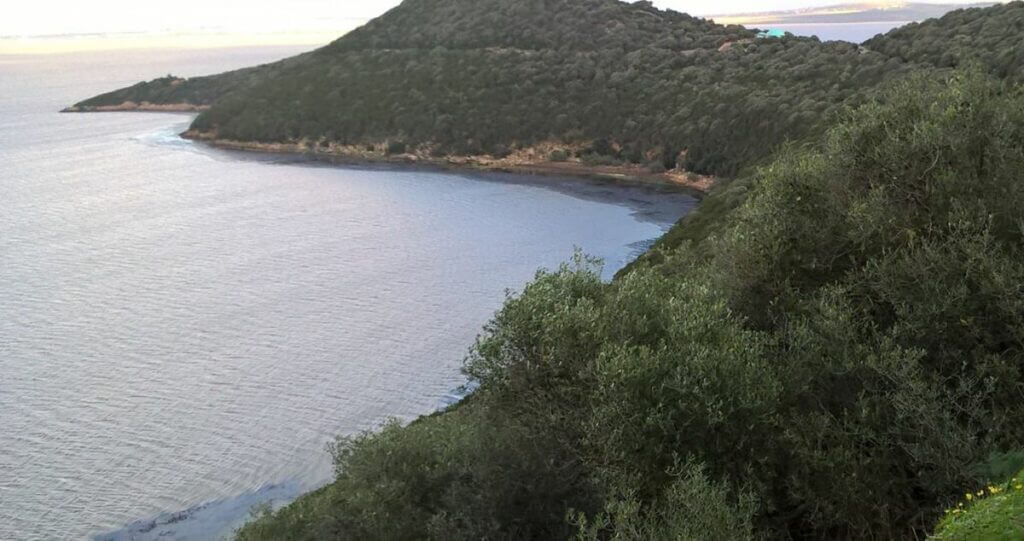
{"x":133,"y":106}
{"x":527,"y":161}
{"x":534,"y":160}
{"x":211,"y":520}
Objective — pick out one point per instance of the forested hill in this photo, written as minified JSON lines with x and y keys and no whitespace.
{"x":992,"y":36}
{"x":627,"y":82}
{"x":484,"y":76}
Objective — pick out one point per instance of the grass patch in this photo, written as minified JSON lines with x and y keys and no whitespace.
{"x":994,"y":513}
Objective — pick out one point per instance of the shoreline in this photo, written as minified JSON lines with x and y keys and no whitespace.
{"x":532,"y":161}
{"x":220,"y":518}
{"x":130,"y":106}
{"x":523,"y":162}
{"x":215,"y":519}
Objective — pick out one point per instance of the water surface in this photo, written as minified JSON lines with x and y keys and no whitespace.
{"x":181,"y":325}
{"x":855,"y":32}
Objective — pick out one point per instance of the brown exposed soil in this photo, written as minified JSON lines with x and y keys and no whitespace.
{"x":144,"y":106}
{"x":535,"y":160}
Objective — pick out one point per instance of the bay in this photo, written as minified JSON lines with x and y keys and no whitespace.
{"x":181,"y":325}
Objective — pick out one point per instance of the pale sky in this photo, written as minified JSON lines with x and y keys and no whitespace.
{"x":252,"y":21}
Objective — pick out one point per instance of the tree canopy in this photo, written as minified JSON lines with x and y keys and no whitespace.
{"x":842,"y":356}
{"x":482,"y":76}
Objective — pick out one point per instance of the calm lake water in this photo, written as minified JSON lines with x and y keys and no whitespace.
{"x":181,"y":325}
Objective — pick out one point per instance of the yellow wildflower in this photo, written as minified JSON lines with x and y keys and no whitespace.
{"x":970,"y":496}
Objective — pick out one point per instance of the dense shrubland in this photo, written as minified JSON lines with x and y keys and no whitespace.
{"x":469,"y":77}
{"x":839,"y":357}
{"x":479,"y":76}
{"x":993,"y":37}
{"x":475,"y":76}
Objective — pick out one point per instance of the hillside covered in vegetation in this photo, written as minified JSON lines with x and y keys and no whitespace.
{"x":992,"y":37}
{"x":629,"y":82}
{"x":473,"y":77}
{"x":487,"y":76}
{"x":831,"y":347}
{"x":840,"y":357}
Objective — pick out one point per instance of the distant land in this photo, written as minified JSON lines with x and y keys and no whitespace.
{"x":855,"y":22}
{"x":80,"y":43}
{"x":860,"y":12}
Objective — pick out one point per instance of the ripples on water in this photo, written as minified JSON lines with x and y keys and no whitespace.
{"x":180,"y":325}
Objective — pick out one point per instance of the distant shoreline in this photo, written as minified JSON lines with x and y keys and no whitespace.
{"x":131,"y":106}
{"x":527,"y":163}
{"x":533,"y":161}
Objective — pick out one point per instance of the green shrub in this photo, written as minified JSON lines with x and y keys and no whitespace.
{"x":558,"y":155}
{"x":679,"y":376}
{"x":600,"y":159}
{"x":693,"y":508}
{"x":501,"y":151}
{"x":999,"y":466}
{"x":456,"y":476}
{"x":601,"y":147}
{"x":656,"y":167}
{"x":396,"y":147}
{"x":889,"y":261}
